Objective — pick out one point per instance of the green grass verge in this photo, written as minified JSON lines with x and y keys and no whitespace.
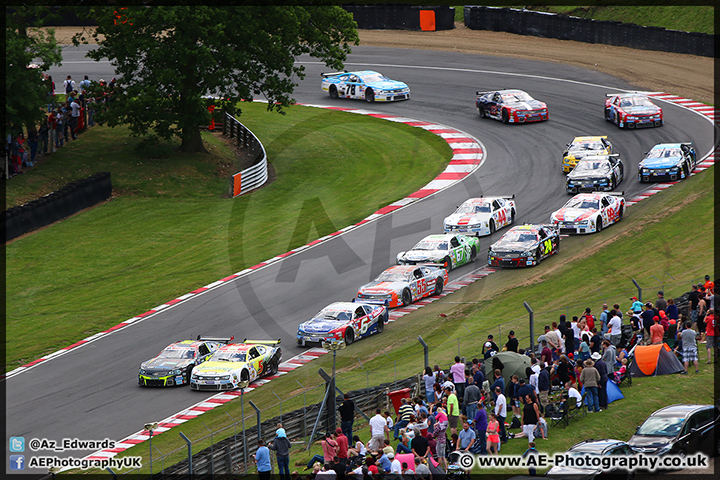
{"x":690,"y":18}
{"x":170,"y":229}
{"x":654,"y":239}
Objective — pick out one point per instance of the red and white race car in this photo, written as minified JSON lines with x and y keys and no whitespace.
{"x":589,"y":212}
{"x":403,"y":284}
{"x":481,"y":216}
{"x":632,"y":110}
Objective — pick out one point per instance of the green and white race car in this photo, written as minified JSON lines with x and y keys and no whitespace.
{"x":450,"y":250}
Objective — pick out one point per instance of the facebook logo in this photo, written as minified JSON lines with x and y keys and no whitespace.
{"x":17,"y":462}
{"x":17,"y":444}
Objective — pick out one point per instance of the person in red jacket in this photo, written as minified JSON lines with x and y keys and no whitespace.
{"x":712,"y":331}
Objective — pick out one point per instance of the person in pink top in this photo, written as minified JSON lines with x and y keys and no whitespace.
{"x":656,"y":331}
{"x":329,"y":447}
{"x":458,"y":376}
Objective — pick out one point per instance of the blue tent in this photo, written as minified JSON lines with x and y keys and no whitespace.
{"x":613,"y":392}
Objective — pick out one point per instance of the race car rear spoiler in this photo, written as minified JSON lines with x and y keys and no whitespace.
{"x":332,"y":74}
{"x":625,"y":93}
{"x":263,"y":342}
{"x":217,"y":339}
{"x":483,"y":93}
{"x":619,"y":194}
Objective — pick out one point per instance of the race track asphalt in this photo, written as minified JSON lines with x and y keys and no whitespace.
{"x":92,"y":393}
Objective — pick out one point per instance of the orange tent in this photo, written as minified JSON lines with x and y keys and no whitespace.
{"x":651,"y":360}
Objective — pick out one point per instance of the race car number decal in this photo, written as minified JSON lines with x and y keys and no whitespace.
{"x":548,"y":246}
{"x":501,"y":218}
{"x":364,"y":324}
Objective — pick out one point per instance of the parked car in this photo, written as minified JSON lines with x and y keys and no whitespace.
{"x":588,"y":449}
{"x":679,"y":429}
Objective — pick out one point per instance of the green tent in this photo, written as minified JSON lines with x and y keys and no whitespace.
{"x":514,"y":364}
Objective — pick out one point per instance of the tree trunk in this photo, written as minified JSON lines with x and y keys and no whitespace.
{"x":192,"y":141}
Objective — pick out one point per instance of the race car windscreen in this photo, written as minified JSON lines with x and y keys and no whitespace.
{"x":583,"y":146}
{"x":582,"y":203}
{"x":334,"y":314}
{"x":375,"y":77}
{"x":592,"y":167}
{"x":431,"y":245}
{"x":516,"y":97}
{"x":178,"y":353}
{"x":664,"y":153}
{"x":518,"y":237}
{"x":636,"y":102}
{"x":469,"y":209}
{"x":392,"y":277}
{"x":229,"y":357}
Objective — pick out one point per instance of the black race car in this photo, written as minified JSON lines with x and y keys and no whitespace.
{"x":174,"y":365}
{"x":596,"y":173}
{"x":524,"y":246}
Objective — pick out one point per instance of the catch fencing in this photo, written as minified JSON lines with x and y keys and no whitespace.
{"x":564,"y":27}
{"x":403,"y":17}
{"x":257,"y":174}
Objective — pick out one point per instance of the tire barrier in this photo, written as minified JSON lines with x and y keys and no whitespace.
{"x":403,"y":17}
{"x":57,"y":205}
{"x":564,"y":27}
{"x":255,"y":175}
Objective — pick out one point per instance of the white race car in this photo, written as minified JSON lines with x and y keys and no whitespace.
{"x":233,"y":364}
{"x":481,"y":216}
{"x":589,"y":212}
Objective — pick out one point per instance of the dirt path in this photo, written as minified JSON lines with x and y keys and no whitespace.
{"x":689,"y":76}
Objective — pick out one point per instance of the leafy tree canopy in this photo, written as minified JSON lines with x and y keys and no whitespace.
{"x":28,"y":52}
{"x":168,"y":57}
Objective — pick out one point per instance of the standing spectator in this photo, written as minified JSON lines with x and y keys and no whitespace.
{"x":553,"y":341}
{"x":429,"y":380}
{"x":33,"y":144}
{"x":589,"y":318}
{"x":467,"y":437}
{"x":601,"y":368}
{"x":595,"y":341}
{"x":329,"y":447}
{"x":569,"y":339}
{"x":546,"y":354}
{"x":493,"y":437}
{"x":378,"y":431}
{"x":85,"y":83}
{"x":262,"y":457}
{"x":563,"y":369}
{"x":440,"y":435}
{"x":711,"y":334}
{"x":656,"y":332}
{"x":281,"y":445}
{"x":604,"y":319}
{"x":530,"y":416}
{"x":701,"y":309}
{"x":647,"y":321}
{"x":457,"y":371}
{"x":689,"y":348}
{"x":576,"y":330}
{"x":420,"y":445}
{"x":584,"y":348}
{"x":478,"y":375}
{"x":709,"y":285}
{"x":343,"y":444}
{"x":693,"y":300}
{"x":561,"y":343}
{"x":59,"y":121}
{"x":661,"y":303}
{"x":501,"y":413}
{"x":590,"y":378}
{"x":74,"y":118}
{"x":489,"y":347}
{"x":499,"y":382}
{"x":69,"y":85}
{"x":480,"y":422}
{"x":347,"y":415}
{"x":52,"y":139}
{"x":43,"y":134}
{"x":615,"y":327}
{"x":609,"y":355}
{"x":50,"y":86}
{"x":453,"y":411}
{"x":471,"y":397}
{"x":512,"y":343}
{"x":543,"y":385}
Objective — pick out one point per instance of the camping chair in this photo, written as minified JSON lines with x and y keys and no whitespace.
{"x":574,"y":410}
{"x":625,"y":378}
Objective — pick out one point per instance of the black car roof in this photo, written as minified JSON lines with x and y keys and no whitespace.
{"x":679,"y":410}
{"x":595,"y":445}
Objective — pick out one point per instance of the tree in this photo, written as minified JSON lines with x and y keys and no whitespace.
{"x":168,"y":57}
{"x":28,"y":52}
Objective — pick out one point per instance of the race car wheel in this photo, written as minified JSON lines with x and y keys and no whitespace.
{"x":245,"y":376}
{"x":492,"y":227}
{"x":512,"y":216}
{"x":406,"y":298}
{"x":629,"y":125}
{"x":505,"y":116}
{"x":189,"y":373}
{"x":621,"y":213}
{"x":381,"y":324}
{"x":272,"y":367}
{"x":482,"y":112}
{"x":686,"y":169}
{"x":473,"y":254}
{"x":599,"y":225}
{"x":333,"y":92}
{"x":538,"y":255}
{"x":447,"y":263}
{"x":369,"y":96}
{"x":438,"y":286}
{"x":349,"y":336}
{"x":607,"y":115}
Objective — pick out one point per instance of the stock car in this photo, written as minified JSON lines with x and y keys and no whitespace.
{"x":524,"y":245}
{"x":596,"y":173}
{"x":481,"y":216}
{"x":582,"y":147}
{"x":403,"y":284}
{"x":510,"y":106}
{"x":346,"y":321}
{"x":668,"y":161}
{"x":174,"y":365}
{"x":450,"y":250}
{"x":589,"y":212}
{"x":235,"y":363}
{"x":367,"y":84}
{"x":631,"y":110}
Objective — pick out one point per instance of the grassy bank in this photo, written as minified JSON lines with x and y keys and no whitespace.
{"x":171,"y":227}
{"x":651,"y":241}
{"x":690,"y":18}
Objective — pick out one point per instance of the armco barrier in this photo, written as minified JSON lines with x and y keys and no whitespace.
{"x":403,"y":17}
{"x":563,"y":27}
{"x":57,"y":205}
{"x":255,"y":175}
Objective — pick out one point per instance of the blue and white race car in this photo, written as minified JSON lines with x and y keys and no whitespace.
{"x":366,"y":84}
{"x":348,"y":321}
{"x":668,"y":161}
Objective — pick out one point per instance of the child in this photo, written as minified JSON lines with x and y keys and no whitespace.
{"x":531,"y":451}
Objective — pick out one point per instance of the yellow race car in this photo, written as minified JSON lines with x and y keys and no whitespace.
{"x":581,"y":147}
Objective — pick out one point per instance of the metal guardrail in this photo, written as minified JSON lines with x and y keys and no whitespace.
{"x":255,"y":175}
